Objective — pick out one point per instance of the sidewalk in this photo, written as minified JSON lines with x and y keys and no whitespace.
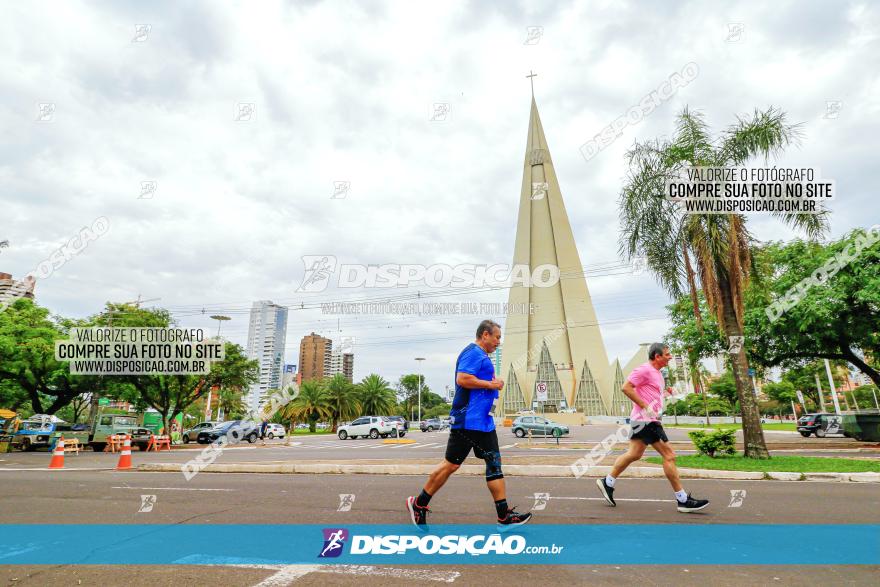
{"x":514,"y":467}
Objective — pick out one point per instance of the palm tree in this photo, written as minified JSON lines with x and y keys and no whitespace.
{"x":342,"y":396}
{"x":375,"y":395}
{"x":712,"y":248}
{"x":310,"y":405}
{"x":230,"y":401}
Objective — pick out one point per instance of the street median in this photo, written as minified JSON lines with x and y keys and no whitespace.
{"x":311,"y":468}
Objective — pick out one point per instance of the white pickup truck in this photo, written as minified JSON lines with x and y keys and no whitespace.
{"x":372,"y":426}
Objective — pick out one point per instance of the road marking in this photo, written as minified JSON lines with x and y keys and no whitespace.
{"x":287,"y":575}
{"x":174,"y":488}
{"x":508,"y":446}
{"x":603,"y":499}
{"x":48,"y":469}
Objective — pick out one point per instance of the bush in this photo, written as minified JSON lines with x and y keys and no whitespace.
{"x":719,"y":441}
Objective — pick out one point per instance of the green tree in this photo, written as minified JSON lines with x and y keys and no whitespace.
{"x":782,"y":392}
{"x":724,"y":387}
{"x":343,"y":399}
{"x":438,"y":411}
{"x":719,"y":244}
{"x":311,"y":405}
{"x":27,"y":360}
{"x":375,"y":396}
{"x":817,"y":301}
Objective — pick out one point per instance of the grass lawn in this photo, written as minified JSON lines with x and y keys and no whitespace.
{"x":785,"y":463}
{"x":783,"y":426}
{"x":305,"y":431}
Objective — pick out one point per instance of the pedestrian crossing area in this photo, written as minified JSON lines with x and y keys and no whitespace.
{"x":360,"y":444}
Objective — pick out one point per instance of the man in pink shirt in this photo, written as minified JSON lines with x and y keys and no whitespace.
{"x":645,"y":387}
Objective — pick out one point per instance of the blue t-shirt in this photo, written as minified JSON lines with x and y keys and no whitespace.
{"x":471,"y":407}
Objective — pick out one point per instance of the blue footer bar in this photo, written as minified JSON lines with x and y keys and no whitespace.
{"x":537,"y":544}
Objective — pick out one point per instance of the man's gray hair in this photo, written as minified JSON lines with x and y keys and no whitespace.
{"x":486,"y":326}
{"x":655,"y":349}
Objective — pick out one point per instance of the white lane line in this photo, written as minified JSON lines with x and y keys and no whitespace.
{"x":174,"y":488}
{"x":603,"y":499}
{"x":411,"y":574}
{"x":508,"y":446}
{"x":287,"y":575}
{"x":72,"y":469}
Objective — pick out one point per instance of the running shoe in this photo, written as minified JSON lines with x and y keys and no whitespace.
{"x":692,"y":505}
{"x":513,"y":519}
{"x":607,"y":491}
{"x":417,"y":513}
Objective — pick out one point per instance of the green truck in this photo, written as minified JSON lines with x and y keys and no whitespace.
{"x":105,"y":425}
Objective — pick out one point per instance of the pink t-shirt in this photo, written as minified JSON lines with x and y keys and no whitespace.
{"x":648,"y":382}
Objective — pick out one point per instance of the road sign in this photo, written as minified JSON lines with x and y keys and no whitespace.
{"x":751,"y":372}
{"x":103,"y":401}
{"x":541,"y":391}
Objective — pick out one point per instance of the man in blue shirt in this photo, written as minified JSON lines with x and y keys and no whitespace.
{"x":472,"y":427}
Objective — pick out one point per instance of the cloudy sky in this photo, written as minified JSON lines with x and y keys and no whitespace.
{"x":100,"y":97}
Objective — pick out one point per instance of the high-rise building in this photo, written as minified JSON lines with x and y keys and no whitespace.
{"x":557,"y":350}
{"x":288,"y":376}
{"x":12,"y":289}
{"x":267,"y":335}
{"x":314,"y":357}
{"x":341,"y":362}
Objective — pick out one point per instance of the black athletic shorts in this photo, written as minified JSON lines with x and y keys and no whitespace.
{"x":648,"y":432}
{"x":484,"y":444}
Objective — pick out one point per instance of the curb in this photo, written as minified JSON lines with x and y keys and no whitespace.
{"x":511,"y":470}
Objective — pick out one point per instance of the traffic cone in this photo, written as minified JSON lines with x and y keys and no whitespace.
{"x":125,"y":456}
{"x":57,"y":461}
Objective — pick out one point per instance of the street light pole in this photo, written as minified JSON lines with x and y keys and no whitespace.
{"x":420,"y":359}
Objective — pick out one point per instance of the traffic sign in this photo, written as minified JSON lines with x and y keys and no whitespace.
{"x":103,"y":401}
{"x":541,"y":391}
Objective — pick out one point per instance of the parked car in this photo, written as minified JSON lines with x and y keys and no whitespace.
{"x":400,"y":419}
{"x":820,"y":425}
{"x":432,"y":424}
{"x":372,"y":426}
{"x":192,"y":434}
{"x":539,"y":426}
{"x":275,"y":431}
{"x":235,"y":431}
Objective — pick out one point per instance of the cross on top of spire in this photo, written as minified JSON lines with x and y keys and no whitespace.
{"x":532,"y":81}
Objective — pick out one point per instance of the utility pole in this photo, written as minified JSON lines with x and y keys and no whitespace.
{"x":419,"y":360}
{"x":821,"y":393}
{"x":833,"y":389}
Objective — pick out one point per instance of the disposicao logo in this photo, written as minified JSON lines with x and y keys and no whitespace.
{"x":334,"y":541}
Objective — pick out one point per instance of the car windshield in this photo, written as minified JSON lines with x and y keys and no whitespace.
{"x":126,"y":422}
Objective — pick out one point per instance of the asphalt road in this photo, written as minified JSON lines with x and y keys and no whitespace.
{"x":84,"y":496}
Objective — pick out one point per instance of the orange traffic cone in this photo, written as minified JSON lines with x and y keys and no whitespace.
{"x":125,"y":455}
{"x":57,"y":461}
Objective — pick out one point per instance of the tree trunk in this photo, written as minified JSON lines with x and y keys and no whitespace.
{"x":753,"y":435}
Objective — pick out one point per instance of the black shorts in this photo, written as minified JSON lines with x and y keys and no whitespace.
{"x":484,"y":444}
{"x":648,"y":432}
